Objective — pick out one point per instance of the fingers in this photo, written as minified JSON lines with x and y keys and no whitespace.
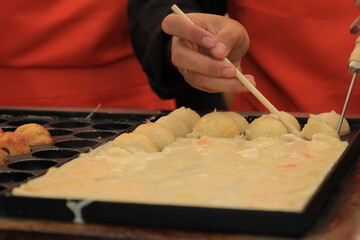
{"x":214,"y":85}
{"x":355,"y":26}
{"x":223,"y":36}
{"x":357,"y":3}
{"x":177,"y":26}
{"x":184,"y":56}
{"x":198,"y":50}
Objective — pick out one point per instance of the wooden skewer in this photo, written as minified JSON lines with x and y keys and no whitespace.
{"x":248,"y":84}
{"x":92,"y":113}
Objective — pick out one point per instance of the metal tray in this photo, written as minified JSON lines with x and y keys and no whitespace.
{"x":185,"y":217}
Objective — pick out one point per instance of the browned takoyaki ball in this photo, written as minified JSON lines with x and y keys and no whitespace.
{"x":35,"y":134}
{"x":13,"y":143}
{"x":3,"y":156}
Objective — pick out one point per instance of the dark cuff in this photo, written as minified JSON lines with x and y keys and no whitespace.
{"x":201,"y":101}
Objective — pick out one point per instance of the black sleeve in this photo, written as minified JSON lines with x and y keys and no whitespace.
{"x":150,"y":45}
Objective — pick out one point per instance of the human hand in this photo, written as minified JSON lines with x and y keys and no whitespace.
{"x":198,"y":49}
{"x":355,"y":26}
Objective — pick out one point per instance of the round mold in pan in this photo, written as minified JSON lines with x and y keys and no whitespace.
{"x":14,"y":176}
{"x":55,"y":132}
{"x":76,"y":143}
{"x":70,"y":124}
{"x":8,"y":129}
{"x":26,"y":121}
{"x":95,"y":134}
{"x":32,"y":164}
{"x":113,"y":126}
{"x":56,"y":153}
{"x":2,"y":120}
{"x":2,"y":188}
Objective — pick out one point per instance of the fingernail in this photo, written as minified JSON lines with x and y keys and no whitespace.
{"x":229,"y":72}
{"x":209,"y":41}
{"x":219,"y":50}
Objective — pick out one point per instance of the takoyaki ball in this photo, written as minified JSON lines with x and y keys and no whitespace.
{"x":133,"y":143}
{"x":35,"y":134}
{"x":332,"y":119}
{"x":13,"y":143}
{"x":265,"y":126}
{"x":317,"y":126}
{"x":215,"y":124}
{"x":325,"y":138}
{"x":176,"y":125}
{"x":157,"y":133}
{"x":3,"y":156}
{"x":289,"y":118}
{"x":240,"y":120}
{"x":189,"y":116}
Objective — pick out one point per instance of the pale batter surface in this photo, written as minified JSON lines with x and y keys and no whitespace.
{"x":261,"y":174}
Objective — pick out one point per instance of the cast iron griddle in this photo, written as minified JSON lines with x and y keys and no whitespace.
{"x":73,"y":135}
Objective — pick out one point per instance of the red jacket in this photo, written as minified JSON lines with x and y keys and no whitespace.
{"x":298,"y":53}
{"x":70,"y":53}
